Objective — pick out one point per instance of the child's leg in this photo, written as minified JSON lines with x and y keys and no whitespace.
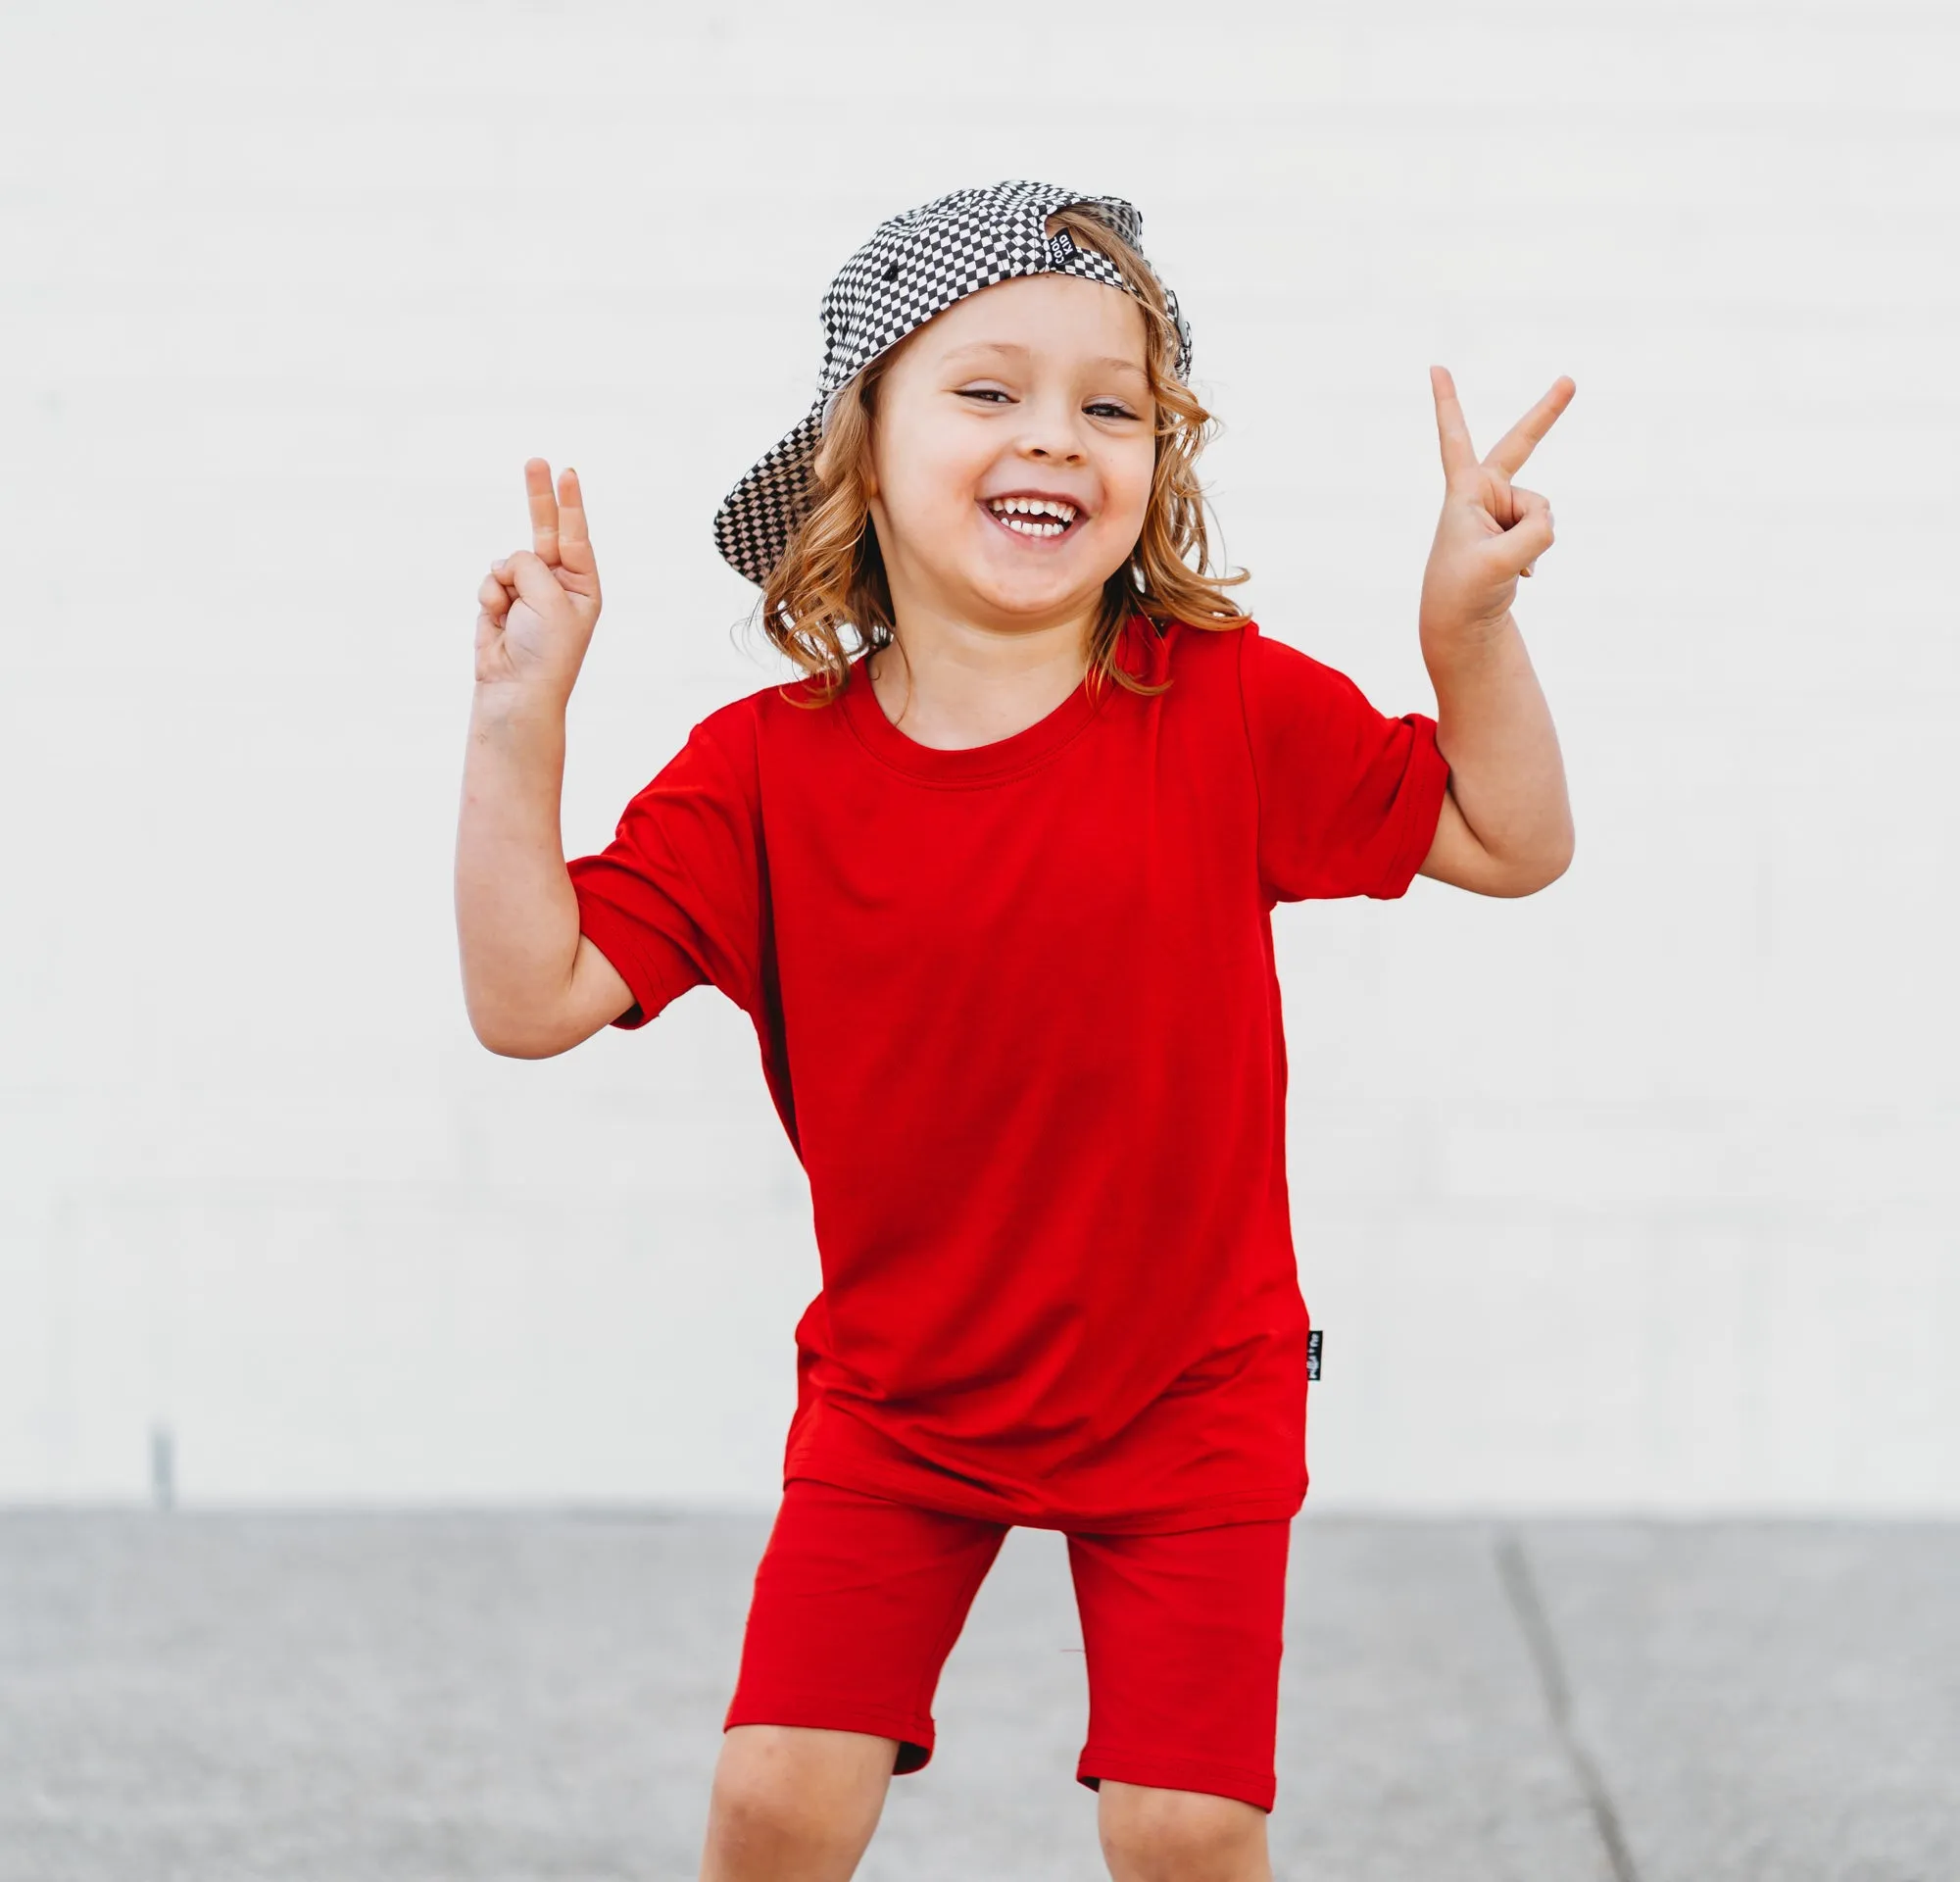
{"x":1153,"y":1835}
{"x":1183,"y":1636}
{"x":794,"y":1804}
{"x":858,"y":1602}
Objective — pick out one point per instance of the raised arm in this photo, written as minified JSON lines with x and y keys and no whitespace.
{"x":1506,"y":822}
{"x":1505,"y":826}
{"x":532,"y":984}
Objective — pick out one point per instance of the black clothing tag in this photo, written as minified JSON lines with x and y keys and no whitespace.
{"x":1061,"y":246}
{"x":1312,"y":1354}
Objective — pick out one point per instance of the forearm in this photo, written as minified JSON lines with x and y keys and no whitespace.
{"x":517,"y":917}
{"x":1494,"y":731}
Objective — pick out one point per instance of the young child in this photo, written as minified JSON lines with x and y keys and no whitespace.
{"x":994,"y":882}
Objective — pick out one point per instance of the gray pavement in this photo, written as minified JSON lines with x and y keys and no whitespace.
{"x":483,"y":1697}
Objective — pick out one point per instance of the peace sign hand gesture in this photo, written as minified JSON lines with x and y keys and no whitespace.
{"x":1491,"y":530}
{"x":538,"y":605}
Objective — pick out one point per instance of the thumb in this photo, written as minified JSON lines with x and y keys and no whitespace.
{"x":527,"y":570}
{"x":1531,"y":536}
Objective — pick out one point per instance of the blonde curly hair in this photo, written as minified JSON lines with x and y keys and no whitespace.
{"x":831,"y":575}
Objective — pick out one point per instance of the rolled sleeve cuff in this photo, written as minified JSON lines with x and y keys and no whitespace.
{"x":1419,"y":803}
{"x":654,"y":973}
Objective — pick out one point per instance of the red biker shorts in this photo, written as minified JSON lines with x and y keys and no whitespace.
{"x":859,"y":1599}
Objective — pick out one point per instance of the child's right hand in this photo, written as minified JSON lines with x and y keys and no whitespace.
{"x":540,"y":604}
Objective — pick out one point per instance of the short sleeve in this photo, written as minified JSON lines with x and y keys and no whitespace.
{"x":675,"y":900}
{"x":1348,"y":797}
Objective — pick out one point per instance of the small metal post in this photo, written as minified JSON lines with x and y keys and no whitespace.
{"x":163,"y":1468}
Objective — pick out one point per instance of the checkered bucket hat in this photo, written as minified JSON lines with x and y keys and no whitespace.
{"x":918,"y":265}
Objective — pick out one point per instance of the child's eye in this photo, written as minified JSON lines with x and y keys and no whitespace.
{"x":1114,"y":409}
{"x":983,"y":392}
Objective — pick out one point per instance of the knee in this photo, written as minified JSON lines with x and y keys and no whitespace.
{"x":751,"y":1810}
{"x":783,"y":1791}
{"x":1153,"y":1835}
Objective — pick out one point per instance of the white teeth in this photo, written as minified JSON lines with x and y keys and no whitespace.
{"x":1004,"y":506}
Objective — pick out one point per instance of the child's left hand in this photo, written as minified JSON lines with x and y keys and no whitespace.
{"x":1491,"y":530}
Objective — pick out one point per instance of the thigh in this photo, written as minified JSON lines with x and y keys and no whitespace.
{"x":1183,"y":1635}
{"x":857,"y":1604}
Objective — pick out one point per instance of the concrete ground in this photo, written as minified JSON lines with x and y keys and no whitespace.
{"x":483,"y":1697}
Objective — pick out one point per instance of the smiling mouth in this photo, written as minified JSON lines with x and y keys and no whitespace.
{"x":1036,"y":523}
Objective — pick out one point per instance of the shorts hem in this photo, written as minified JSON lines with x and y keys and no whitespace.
{"x":1257,"y":1788}
{"x":915,"y":1736}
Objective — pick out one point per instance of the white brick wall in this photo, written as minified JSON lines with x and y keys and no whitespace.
{"x":1640,"y":1193}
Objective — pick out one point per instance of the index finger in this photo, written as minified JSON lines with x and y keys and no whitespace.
{"x":544,"y":510}
{"x":1459,"y":454}
{"x":1510,"y":451}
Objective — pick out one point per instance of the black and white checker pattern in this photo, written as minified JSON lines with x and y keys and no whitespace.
{"x":918,"y":265}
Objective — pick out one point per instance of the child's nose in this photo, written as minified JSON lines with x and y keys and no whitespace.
{"x":1051,"y":432}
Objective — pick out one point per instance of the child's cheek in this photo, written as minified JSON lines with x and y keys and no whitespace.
{"x":1131,"y":503}
{"x":946,"y":483}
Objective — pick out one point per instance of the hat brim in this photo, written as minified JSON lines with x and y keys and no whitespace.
{"x":759,"y":516}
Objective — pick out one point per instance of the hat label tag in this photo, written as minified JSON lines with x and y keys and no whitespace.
{"x":1061,"y":246}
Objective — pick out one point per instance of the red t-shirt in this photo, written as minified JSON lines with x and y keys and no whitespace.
{"x":1018,"y":1014}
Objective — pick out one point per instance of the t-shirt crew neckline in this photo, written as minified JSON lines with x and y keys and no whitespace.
{"x":972,"y":763}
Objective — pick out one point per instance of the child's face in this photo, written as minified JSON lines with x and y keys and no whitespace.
{"x":1032,"y":387}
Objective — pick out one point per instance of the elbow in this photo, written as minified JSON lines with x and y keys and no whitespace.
{"x":499,"y":1043}
{"x":1539,"y":872}
{"x":508,"y":1041}
{"x":1561,"y":859}
{"x":518,"y":1049}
